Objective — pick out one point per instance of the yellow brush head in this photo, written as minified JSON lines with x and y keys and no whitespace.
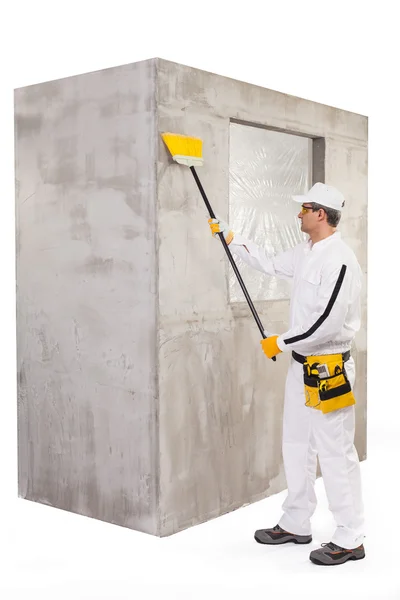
{"x":184,"y":149}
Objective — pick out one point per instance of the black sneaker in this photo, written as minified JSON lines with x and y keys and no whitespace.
{"x":277,"y":535}
{"x":331,"y":554}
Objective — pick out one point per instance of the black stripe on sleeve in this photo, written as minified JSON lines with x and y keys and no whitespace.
{"x":326,"y":312}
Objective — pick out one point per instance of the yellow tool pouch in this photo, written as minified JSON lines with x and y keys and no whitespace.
{"x":326,"y":385}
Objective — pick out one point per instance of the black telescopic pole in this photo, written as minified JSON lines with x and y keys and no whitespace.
{"x":228,"y":252}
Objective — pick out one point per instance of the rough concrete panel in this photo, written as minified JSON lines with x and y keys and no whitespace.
{"x":220,"y":434}
{"x":86,"y":290}
{"x":221,"y":402}
{"x":204,"y":94}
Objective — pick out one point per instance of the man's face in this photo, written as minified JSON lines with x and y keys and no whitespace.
{"x":308,"y":218}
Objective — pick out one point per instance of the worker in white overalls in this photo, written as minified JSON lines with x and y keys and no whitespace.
{"x":319,"y":415}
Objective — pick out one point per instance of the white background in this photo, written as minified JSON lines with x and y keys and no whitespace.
{"x":345,"y":54}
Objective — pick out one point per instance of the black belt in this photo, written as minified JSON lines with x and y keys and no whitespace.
{"x":302,"y":359}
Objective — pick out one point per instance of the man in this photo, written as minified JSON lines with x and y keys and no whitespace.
{"x":324,"y":318}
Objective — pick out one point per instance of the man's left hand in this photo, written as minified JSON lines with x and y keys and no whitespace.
{"x":270,"y":346}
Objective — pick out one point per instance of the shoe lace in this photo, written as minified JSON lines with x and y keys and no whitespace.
{"x":331,"y":546}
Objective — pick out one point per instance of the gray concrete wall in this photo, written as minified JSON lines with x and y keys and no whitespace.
{"x":86,"y":294}
{"x":144,"y":398}
{"x":221,"y":401}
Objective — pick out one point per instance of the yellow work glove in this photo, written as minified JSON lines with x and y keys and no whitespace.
{"x":270,"y":346}
{"x":219,"y":226}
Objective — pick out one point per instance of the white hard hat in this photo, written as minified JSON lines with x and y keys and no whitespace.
{"x":323,"y":194}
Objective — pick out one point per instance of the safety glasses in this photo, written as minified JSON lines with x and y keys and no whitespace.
{"x":305,"y":209}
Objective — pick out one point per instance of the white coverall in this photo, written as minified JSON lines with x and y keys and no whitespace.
{"x":324,"y":317}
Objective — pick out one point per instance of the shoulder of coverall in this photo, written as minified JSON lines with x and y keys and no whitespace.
{"x":337,"y":255}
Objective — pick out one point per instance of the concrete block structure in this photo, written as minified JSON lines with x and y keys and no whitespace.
{"x":144,"y":398}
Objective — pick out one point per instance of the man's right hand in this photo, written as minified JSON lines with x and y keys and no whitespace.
{"x":219,"y":226}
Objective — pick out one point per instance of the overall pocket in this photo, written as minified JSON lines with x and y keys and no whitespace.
{"x":335,"y":392}
{"x":311,"y":381}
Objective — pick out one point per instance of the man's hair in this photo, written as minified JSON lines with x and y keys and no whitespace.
{"x":332,"y":215}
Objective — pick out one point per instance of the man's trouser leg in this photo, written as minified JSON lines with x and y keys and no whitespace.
{"x":299,"y":455}
{"x":340,"y":468}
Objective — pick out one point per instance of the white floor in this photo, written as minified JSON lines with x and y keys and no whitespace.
{"x":50,"y":554}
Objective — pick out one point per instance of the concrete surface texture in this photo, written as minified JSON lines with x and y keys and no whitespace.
{"x":144,"y":397}
{"x":86,"y":294}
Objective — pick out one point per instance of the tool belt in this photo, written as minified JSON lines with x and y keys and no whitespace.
{"x":326,"y":385}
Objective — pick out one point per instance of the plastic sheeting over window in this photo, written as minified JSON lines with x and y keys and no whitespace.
{"x":266,"y":169}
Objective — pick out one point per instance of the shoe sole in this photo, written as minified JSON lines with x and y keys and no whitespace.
{"x":341,"y":562}
{"x":279,"y":543}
